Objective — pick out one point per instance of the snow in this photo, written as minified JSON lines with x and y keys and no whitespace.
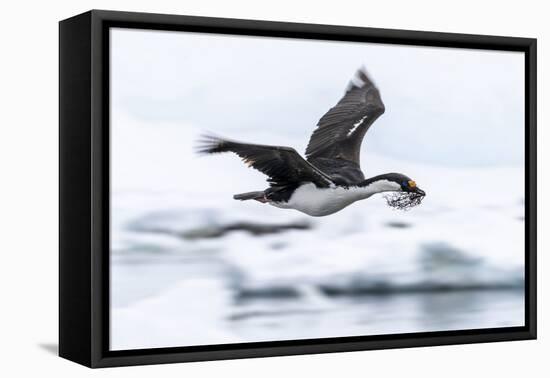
{"x":341,"y":277}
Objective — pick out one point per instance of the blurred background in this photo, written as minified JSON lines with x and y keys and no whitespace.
{"x":191,"y":266}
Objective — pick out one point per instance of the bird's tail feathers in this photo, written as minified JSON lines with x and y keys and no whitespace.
{"x":258,"y":196}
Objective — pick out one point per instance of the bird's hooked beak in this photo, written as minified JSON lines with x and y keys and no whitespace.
{"x":412,"y":188}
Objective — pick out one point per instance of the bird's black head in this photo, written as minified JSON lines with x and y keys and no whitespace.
{"x":407,"y":194}
{"x":406,"y":184}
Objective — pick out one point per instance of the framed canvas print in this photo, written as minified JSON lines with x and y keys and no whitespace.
{"x":234,"y":188}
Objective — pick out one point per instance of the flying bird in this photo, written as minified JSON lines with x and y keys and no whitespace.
{"x":329,"y":178}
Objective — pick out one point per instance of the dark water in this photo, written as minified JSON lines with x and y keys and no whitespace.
{"x":385,"y":314}
{"x":303,"y":311}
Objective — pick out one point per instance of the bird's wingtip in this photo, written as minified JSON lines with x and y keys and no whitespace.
{"x":360,"y":79}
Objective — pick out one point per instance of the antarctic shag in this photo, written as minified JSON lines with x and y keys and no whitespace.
{"x":330,"y":177}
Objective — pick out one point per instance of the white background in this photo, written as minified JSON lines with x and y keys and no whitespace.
{"x":433,"y":101}
{"x":28,"y":210}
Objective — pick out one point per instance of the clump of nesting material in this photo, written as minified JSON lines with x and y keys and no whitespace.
{"x":403,"y":200}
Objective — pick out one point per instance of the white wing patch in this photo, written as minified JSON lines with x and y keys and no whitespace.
{"x":356,"y":125}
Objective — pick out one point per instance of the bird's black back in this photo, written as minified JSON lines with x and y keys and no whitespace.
{"x":342,"y":172}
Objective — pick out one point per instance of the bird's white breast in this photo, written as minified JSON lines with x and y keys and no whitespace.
{"x":318,"y":202}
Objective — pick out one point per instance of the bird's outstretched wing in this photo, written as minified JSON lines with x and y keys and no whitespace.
{"x":340,"y":131}
{"x":282,"y":165}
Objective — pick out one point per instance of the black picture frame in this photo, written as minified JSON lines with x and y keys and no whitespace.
{"x":84,"y":187}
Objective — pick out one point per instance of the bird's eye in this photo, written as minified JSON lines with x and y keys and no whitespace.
{"x":412,"y":184}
